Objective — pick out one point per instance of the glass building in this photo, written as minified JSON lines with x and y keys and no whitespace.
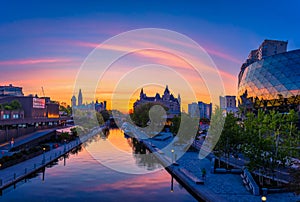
{"x":272,"y":82}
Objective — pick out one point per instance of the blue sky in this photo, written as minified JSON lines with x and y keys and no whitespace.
{"x":39,"y":41}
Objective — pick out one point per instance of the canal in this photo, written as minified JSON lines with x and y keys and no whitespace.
{"x":95,"y":172}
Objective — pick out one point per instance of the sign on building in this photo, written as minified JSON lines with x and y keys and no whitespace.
{"x":38,"y":103}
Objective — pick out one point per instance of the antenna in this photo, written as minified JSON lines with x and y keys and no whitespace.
{"x":43,"y":91}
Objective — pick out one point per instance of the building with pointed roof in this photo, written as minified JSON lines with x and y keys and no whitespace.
{"x":79,"y":98}
{"x":168,"y":100}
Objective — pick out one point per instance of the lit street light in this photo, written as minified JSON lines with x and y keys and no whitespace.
{"x":263,"y":198}
{"x":44,"y":159}
{"x":172,"y":155}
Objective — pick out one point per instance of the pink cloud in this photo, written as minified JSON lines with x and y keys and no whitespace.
{"x":34,"y":61}
{"x":223,"y":55}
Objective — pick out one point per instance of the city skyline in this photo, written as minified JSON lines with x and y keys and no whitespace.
{"x":45,"y":46}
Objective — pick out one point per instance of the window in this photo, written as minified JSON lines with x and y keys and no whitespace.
{"x":15,"y":116}
{"x":6,"y":116}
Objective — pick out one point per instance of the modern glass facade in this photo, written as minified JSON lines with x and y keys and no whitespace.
{"x":272,"y":82}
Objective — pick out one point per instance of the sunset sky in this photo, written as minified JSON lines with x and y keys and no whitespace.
{"x":45,"y":44}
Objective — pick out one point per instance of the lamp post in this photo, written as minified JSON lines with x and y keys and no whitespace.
{"x":65,"y":145}
{"x":172,"y":155}
{"x":172,"y":184}
{"x":44,"y":155}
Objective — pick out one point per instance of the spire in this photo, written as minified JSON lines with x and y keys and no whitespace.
{"x":80,"y":98}
{"x":142,"y":94}
{"x":167,"y":90}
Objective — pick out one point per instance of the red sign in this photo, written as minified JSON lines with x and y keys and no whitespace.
{"x":38,"y":103}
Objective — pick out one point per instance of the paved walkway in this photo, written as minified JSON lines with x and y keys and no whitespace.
{"x":19,"y":171}
{"x":216,"y":187}
{"x":25,"y":139}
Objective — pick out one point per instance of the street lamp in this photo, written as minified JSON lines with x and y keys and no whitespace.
{"x":44,"y":149}
{"x":263,"y":198}
{"x":172,"y":184}
{"x":65,"y":145}
{"x":172,"y":155}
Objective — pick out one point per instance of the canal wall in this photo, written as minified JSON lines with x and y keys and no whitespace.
{"x":11,"y":175}
{"x":187,"y":171}
{"x":187,"y":179}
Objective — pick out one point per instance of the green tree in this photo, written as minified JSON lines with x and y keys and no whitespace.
{"x":271,"y":140}
{"x":214,"y":131}
{"x":230,"y":139}
{"x":100,"y":118}
{"x":15,"y":104}
{"x":175,"y":124}
{"x":140,"y":116}
{"x":105,"y":115}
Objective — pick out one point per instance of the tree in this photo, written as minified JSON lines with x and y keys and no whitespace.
{"x":230,"y":139}
{"x":214,"y":132}
{"x":15,"y":104}
{"x":140,"y":116}
{"x":105,"y":115}
{"x":66,"y":109}
{"x":100,"y":118}
{"x":271,"y":140}
{"x":175,"y":124}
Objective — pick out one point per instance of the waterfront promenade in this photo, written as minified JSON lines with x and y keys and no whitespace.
{"x":188,"y":170}
{"x":25,"y":139}
{"x":15,"y":173}
{"x":216,"y":187}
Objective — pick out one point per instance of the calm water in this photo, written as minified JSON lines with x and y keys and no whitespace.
{"x":80,"y":177}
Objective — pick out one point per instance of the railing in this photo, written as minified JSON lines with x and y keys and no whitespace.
{"x":37,"y":163}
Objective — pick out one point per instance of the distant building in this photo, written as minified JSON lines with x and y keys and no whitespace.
{"x":270,"y":80}
{"x":228,"y":104}
{"x":20,"y":115}
{"x":11,"y":90}
{"x":200,"y":109}
{"x":73,"y":101}
{"x":167,"y":100}
{"x":205,"y":110}
{"x":266,"y":49}
{"x":100,"y":106}
{"x":80,"y":98}
{"x":271,"y":47}
{"x":193,"y":109}
{"x":35,"y":107}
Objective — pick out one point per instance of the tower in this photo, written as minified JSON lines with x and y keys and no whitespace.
{"x":73,"y":101}
{"x":142,"y":95}
{"x":79,"y":98}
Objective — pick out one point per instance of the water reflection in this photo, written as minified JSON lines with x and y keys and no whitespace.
{"x":110,"y":148}
{"x":148,"y":161}
{"x":84,"y":179}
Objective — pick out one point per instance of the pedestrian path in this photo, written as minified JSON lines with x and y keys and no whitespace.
{"x":15,"y":173}
{"x":25,"y":139}
{"x":216,"y":187}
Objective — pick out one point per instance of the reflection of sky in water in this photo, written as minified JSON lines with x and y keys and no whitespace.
{"x":84,"y":179}
{"x":116,"y":152}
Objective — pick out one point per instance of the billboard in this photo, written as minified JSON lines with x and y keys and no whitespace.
{"x":38,"y":103}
